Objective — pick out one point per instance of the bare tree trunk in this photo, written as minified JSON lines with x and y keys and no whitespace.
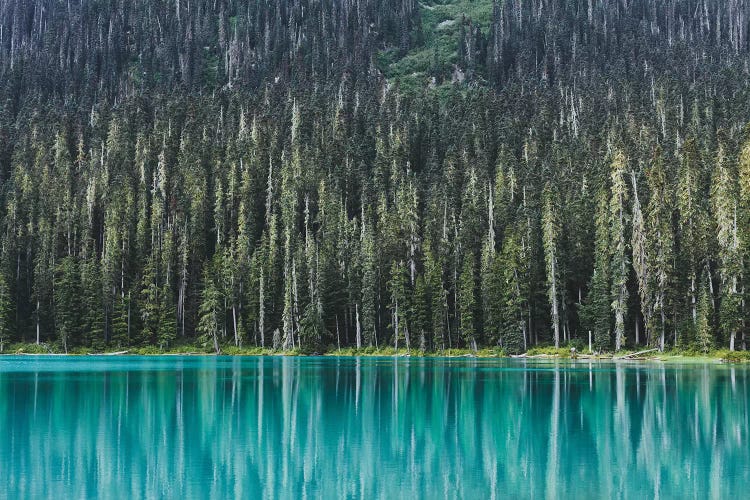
{"x":128,"y":317}
{"x":395,"y":323}
{"x":234,"y":321}
{"x":359,"y":332}
{"x":338,"y":337}
{"x":637,"y":330}
{"x":555,"y":312}
{"x":38,"y":335}
{"x":261,"y":313}
{"x":693,"y":308}
{"x":663,"y":326}
{"x":216,"y":343}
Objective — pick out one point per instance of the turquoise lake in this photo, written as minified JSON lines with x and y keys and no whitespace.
{"x":288,"y":427}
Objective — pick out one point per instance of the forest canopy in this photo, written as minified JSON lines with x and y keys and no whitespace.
{"x":308,"y":174}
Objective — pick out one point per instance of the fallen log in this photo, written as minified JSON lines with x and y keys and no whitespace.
{"x":634,"y":354}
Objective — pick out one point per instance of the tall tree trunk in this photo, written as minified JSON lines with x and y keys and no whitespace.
{"x":38,"y":333}
{"x":359,"y":332}
{"x":395,"y":323}
{"x":234,"y":321}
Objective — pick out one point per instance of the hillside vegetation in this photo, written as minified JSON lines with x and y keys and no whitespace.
{"x":307,"y":175}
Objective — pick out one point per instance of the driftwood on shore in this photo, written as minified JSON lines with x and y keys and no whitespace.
{"x":635,"y":354}
{"x":37,"y":354}
{"x":118,"y":353}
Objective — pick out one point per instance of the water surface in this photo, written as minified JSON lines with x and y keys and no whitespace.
{"x":284,"y":427}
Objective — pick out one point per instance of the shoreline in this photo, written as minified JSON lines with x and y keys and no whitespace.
{"x":533,"y":354}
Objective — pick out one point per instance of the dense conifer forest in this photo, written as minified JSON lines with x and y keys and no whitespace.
{"x":312,"y":174}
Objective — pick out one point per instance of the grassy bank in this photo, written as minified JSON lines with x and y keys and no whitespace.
{"x":672,"y":356}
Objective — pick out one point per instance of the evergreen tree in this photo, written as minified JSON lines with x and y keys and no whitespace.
{"x":660,"y":246}
{"x":550,"y":236}
{"x":691,"y":228}
{"x":703,"y":334}
{"x":120,"y":334}
{"x":92,"y":317}
{"x":422,"y":317}
{"x":6,"y":312}
{"x":369,"y":284}
{"x":149,"y":303}
{"x":491,"y":290}
{"x":167,"y":326}
{"x":438,"y":299}
{"x":514,"y":334}
{"x":66,"y":300}
{"x":210,"y":311}
{"x":595,"y":313}
{"x":467,"y":302}
{"x":725,"y":203}
{"x":618,"y":258}
{"x":398,"y":288}
{"x":312,"y":328}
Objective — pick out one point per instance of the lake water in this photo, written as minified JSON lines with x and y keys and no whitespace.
{"x":284,"y":427}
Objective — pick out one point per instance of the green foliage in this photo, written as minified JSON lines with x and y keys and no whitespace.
{"x":467,"y":302}
{"x":422,"y":326}
{"x":734,"y":356}
{"x":550,"y":236}
{"x":703,"y":333}
{"x":618,"y":251}
{"x":398,"y":289}
{"x":492,"y":293}
{"x":595,"y":312}
{"x":66,"y":301}
{"x":724,"y":199}
{"x":167,"y":329}
{"x":513,"y":325}
{"x":312,"y":329}
{"x":120,"y":322}
{"x":435,"y":175}
{"x":210,"y":320}
{"x":6,"y":312}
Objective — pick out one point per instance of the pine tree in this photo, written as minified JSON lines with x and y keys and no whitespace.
{"x":467,"y":302}
{"x":6,"y":311}
{"x":167,"y":329}
{"x":491,"y":292}
{"x":422,"y":317}
{"x":312,"y":328}
{"x":210,"y":311}
{"x":691,"y":228}
{"x":65,"y":301}
{"x":438,"y":298}
{"x":660,"y":246}
{"x":744,"y":221}
{"x":724,"y":198}
{"x":149,"y":303}
{"x":120,"y":319}
{"x":91,"y":303}
{"x":641,"y":264}
{"x":550,"y":236}
{"x":703,"y":334}
{"x":596,"y":310}
{"x":618,"y":259}
{"x":368,"y":264}
{"x":514,"y":335}
{"x":398,"y":288}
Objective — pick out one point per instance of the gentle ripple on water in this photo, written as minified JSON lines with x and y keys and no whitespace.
{"x":283,"y":427}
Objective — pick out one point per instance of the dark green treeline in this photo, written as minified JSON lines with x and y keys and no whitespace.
{"x":203,"y":170}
